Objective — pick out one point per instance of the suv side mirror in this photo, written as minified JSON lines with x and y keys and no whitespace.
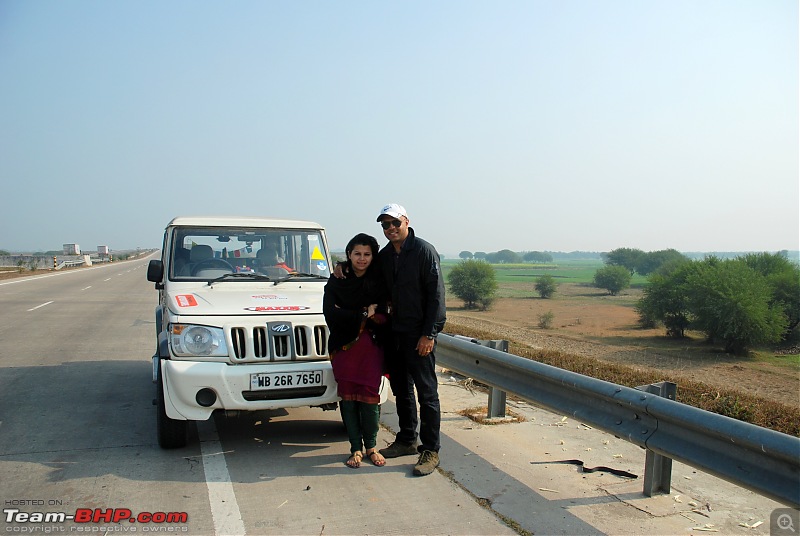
{"x":155,"y":273}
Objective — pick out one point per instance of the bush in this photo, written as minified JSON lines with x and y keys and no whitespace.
{"x":732,"y":303}
{"x":612,"y":278}
{"x":740,"y":302}
{"x":474,"y":282}
{"x":546,"y":286}
{"x":546,"y":320}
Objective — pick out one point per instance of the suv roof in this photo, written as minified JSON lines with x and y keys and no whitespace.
{"x":237,"y":221}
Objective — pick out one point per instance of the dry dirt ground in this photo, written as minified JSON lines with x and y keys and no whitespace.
{"x":10,"y":273}
{"x":587,"y":322}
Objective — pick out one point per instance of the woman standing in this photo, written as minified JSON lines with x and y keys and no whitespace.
{"x":355,"y":311}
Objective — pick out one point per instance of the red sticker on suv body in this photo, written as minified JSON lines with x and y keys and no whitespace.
{"x":185,"y":300}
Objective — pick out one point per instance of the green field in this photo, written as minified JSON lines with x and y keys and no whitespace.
{"x":573,"y":271}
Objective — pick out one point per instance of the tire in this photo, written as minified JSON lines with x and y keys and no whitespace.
{"x":171,"y":432}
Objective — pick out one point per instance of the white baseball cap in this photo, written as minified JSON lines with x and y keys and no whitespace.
{"x":394,"y":210}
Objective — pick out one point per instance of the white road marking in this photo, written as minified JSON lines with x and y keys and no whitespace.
{"x":87,"y":288}
{"x":224,"y":508}
{"x":42,"y":305}
{"x":109,"y":279}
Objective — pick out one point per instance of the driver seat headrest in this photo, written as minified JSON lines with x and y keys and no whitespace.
{"x":201,"y":252}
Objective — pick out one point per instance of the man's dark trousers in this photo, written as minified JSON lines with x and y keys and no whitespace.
{"x":406,"y":369}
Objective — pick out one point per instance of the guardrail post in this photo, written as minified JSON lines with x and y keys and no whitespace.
{"x":658,"y":468}
{"x":497,"y":397}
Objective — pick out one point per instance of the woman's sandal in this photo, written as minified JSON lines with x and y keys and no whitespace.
{"x":354,"y":461}
{"x":376,"y":458}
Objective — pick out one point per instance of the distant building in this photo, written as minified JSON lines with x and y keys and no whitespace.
{"x":72,"y":249}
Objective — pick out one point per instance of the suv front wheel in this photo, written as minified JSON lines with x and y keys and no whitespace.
{"x":171,"y":432}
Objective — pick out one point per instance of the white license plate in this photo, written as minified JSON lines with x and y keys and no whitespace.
{"x":285,"y":380}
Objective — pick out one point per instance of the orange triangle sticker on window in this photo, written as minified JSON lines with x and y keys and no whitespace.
{"x":317,"y":254}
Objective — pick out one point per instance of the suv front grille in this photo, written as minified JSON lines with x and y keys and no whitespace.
{"x":279,"y":341}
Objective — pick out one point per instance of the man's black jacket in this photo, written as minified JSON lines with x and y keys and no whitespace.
{"x":415,"y":280}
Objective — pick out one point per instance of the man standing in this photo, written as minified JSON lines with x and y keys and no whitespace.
{"x":411,"y":269}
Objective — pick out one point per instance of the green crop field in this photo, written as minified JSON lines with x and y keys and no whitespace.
{"x":572,"y":271}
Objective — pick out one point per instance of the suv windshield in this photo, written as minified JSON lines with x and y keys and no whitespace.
{"x":208,"y":253}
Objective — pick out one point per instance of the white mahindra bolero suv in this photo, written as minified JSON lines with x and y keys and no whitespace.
{"x":239,"y":320}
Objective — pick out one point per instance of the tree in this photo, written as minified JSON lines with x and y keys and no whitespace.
{"x":465,"y":255}
{"x":473,"y":281}
{"x":504,"y":256}
{"x":546,"y":286}
{"x":480,"y":255}
{"x":786,"y":292}
{"x":626,"y":257}
{"x":731,"y":302}
{"x":665,"y":299}
{"x":612,"y":278}
{"x":652,"y":261}
{"x":537,"y":256}
{"x":783,"y":277}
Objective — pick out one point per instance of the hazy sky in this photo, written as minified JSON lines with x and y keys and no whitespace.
{"x":524,"y":125}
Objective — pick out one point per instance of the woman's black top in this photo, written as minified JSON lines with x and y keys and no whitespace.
{"x":345,"y":302}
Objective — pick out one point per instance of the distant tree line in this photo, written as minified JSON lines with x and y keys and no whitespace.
{"x":506,"y":256}
{"x":639,"y":262}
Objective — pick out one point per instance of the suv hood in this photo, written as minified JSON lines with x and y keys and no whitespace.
{"x":227,"y":300}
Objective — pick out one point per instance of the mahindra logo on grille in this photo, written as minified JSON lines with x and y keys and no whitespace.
{"x":280,"y":328}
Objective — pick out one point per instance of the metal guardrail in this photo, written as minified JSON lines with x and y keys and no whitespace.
{"x":761,"y":460}
{"x":69,"y":263}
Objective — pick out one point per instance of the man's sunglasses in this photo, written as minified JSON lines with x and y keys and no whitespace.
{"x":394,"y":223}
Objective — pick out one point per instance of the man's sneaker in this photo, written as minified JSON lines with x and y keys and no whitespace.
{"x":428,"y":461}
{"x":397,"y":449}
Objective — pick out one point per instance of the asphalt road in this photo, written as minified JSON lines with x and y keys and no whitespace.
{"x":77,"y":437}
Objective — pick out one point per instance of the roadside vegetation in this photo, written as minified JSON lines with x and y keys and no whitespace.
{"x":748,"y":306}
{"x":737,"y":303}
{"x":546,"y":286}
{"x":737,"y":404}
{"x":473,"y":281}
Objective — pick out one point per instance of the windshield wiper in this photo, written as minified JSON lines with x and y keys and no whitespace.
{"x":241,"y":275}
{"x":293,"y":275}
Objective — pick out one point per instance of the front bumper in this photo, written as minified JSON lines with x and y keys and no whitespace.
{"x":231,"y":385}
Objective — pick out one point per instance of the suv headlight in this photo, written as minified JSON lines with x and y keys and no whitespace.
{"x":188,"y":340}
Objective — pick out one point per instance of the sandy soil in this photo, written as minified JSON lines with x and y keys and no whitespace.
{"x":588,"y":323}
{"x":10,"y":273}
